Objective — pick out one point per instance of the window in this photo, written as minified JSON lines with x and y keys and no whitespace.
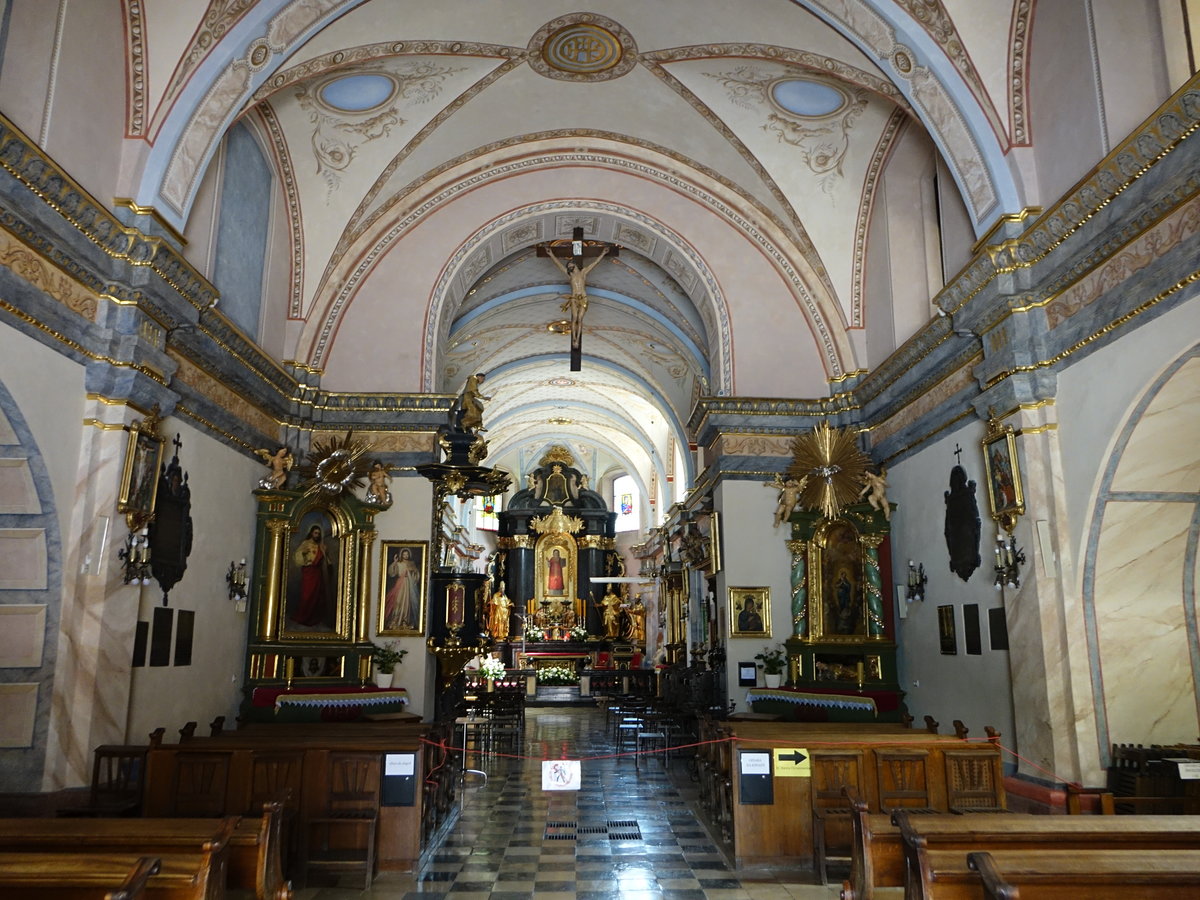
{"x":625,"y":504}
{"x":486,"y":511}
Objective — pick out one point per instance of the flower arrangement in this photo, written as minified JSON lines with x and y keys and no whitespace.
{"x":772,"y":660}
{"x":492,"y":668}
{"x":578,"y":633}
{"x":533,"y":633}
{"x":557,"y":675}
{"x":386,"y":657}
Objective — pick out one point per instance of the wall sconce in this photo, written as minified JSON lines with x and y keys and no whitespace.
{"x":236,"y":579}
{"x":135,"y":558}
{"x":1009,"y":559}
{"x":917,"y":579}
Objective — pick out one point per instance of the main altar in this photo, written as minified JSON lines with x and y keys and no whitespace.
{"x":555,"y":548}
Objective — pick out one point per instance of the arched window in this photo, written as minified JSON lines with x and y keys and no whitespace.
{"x":625,"y":503}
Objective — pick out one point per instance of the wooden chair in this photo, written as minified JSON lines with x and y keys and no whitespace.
{"x":118,"y":771}
{"x":342,"y":838}
{"x":837,"y":778}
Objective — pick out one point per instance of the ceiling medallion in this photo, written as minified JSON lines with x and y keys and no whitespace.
{"x":559,"y":420}
{"x":562,"y":326}
{"x":582,"y":47}
{"x":807,"y":98}
{"x":562,"y":381}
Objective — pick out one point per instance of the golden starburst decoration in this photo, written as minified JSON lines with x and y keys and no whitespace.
{"x":336,"y":465}
{"x":834,"y":465}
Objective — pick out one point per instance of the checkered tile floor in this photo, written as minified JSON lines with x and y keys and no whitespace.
{"x":628,"y":834}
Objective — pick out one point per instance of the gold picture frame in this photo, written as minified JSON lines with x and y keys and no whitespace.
{"x":403,"y":572}
{"x":319,"y":584}
{"x":1006,"y":498}
{"x":750,"y":612}
{"x":139,"y":478}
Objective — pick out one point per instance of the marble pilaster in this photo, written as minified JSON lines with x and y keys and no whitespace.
{"x":90,"y":701}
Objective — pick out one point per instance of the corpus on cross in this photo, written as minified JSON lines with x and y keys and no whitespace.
{"x":576,"y":258}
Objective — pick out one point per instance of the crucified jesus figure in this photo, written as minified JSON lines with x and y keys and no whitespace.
{"x":576,"y":302}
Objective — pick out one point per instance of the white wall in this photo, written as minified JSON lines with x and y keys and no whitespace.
{"x":975,"y":689}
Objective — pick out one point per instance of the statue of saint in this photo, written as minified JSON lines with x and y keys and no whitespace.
{"x":470,"y":404}
{"x":637,"y":622}
{"x":499,"y":611}
{"x":611,"y":605}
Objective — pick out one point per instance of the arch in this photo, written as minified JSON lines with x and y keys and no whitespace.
{"x":251,"y":51}
{"x":26,"y":519}
{"x":1138,"y":530}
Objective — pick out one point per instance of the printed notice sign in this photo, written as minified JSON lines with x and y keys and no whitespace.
{"x":1189,"y":769}
{"x":756,"y":763}
{"x":792,"y":762}
{"x":561,"y":774}
{"x":399,"y":763}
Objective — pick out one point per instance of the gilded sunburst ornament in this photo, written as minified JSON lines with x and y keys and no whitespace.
{"x":336,"y":465}
{"x":834,"y":464}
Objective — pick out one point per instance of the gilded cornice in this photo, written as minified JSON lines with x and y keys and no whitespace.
{"x":218,"y":390}
{"x":24,"y":161}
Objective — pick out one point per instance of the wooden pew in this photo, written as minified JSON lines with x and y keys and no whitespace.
{"x":233,"y":772}
{"x":1057,"y":874}
{"x":242,"y":853}
{"x":959,"y":835}
{"x":900,"y":768}
{"x":83,"y":876}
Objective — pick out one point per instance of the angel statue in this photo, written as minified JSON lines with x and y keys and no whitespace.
{"x":280,"y":463}
{"x":379,"y":477}
{"x":875,"y":490}
{"x":789,"y":495}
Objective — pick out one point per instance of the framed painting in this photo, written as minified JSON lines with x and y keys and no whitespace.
{"x":139,"y":479}
{"x":749,"y":612}
{"x":403,"y":569}
{"x":1005,"y":496}
{"x":314,"y":591}
{"x":947,"y":633}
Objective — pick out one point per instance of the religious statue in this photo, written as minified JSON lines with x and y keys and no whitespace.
{"x":280,"y":463}
{"x":555,"y":584}
{"x":378,"y":479}
{"x":469,"y":407}
{"x":576,"y":302}
{"x":875,"y":490}
{"x":611,"y":605}
{"x":636,"y":632}
{"x":789,"y":495}
{"x":499,"y":611}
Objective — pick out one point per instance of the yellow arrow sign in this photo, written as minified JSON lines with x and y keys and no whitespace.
{"x":792,"y":762}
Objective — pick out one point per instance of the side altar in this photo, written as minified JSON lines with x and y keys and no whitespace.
{"x":842,"y":650}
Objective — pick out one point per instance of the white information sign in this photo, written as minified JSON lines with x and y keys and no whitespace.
{"x":561,"y":774}
{"x":1189,"y":769}
{"x":756,"y":763}
{"x":399,"y":763}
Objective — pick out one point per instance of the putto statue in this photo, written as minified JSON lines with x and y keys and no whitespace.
{"x":789,"y":495}
{"x":875,"y":490}
{"x":280,"y":463}
{"x":378,"y":478}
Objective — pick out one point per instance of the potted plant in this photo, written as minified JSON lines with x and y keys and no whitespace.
{"x":772,"y":661}
{"x":386,"y":658}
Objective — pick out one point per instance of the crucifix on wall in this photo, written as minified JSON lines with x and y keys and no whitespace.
{"x":576,"y":258}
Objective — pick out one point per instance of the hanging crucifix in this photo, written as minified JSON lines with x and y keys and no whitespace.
{"x":575,"y":252}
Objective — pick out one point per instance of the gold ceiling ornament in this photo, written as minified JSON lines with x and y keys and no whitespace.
{"x":336,"y":465}
{"x":834,"y":466}
{"x":556,"y":523}
{"x":558,"y":454}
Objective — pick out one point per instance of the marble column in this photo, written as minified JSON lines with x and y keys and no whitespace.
{"x":799,"y":551}
{"x":874,"y":585}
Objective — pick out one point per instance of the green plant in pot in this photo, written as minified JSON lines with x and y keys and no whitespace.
{"x":772,"y":660}
{"x":386,"y":657}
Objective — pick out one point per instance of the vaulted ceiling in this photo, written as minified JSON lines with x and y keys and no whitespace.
{"x":423,"y":150}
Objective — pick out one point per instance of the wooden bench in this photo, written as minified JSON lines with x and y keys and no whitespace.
{"x":83,"y":876}
{"x":241,"y":853}
{"x":1058,"y":874}
{"x":893,"y":768}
